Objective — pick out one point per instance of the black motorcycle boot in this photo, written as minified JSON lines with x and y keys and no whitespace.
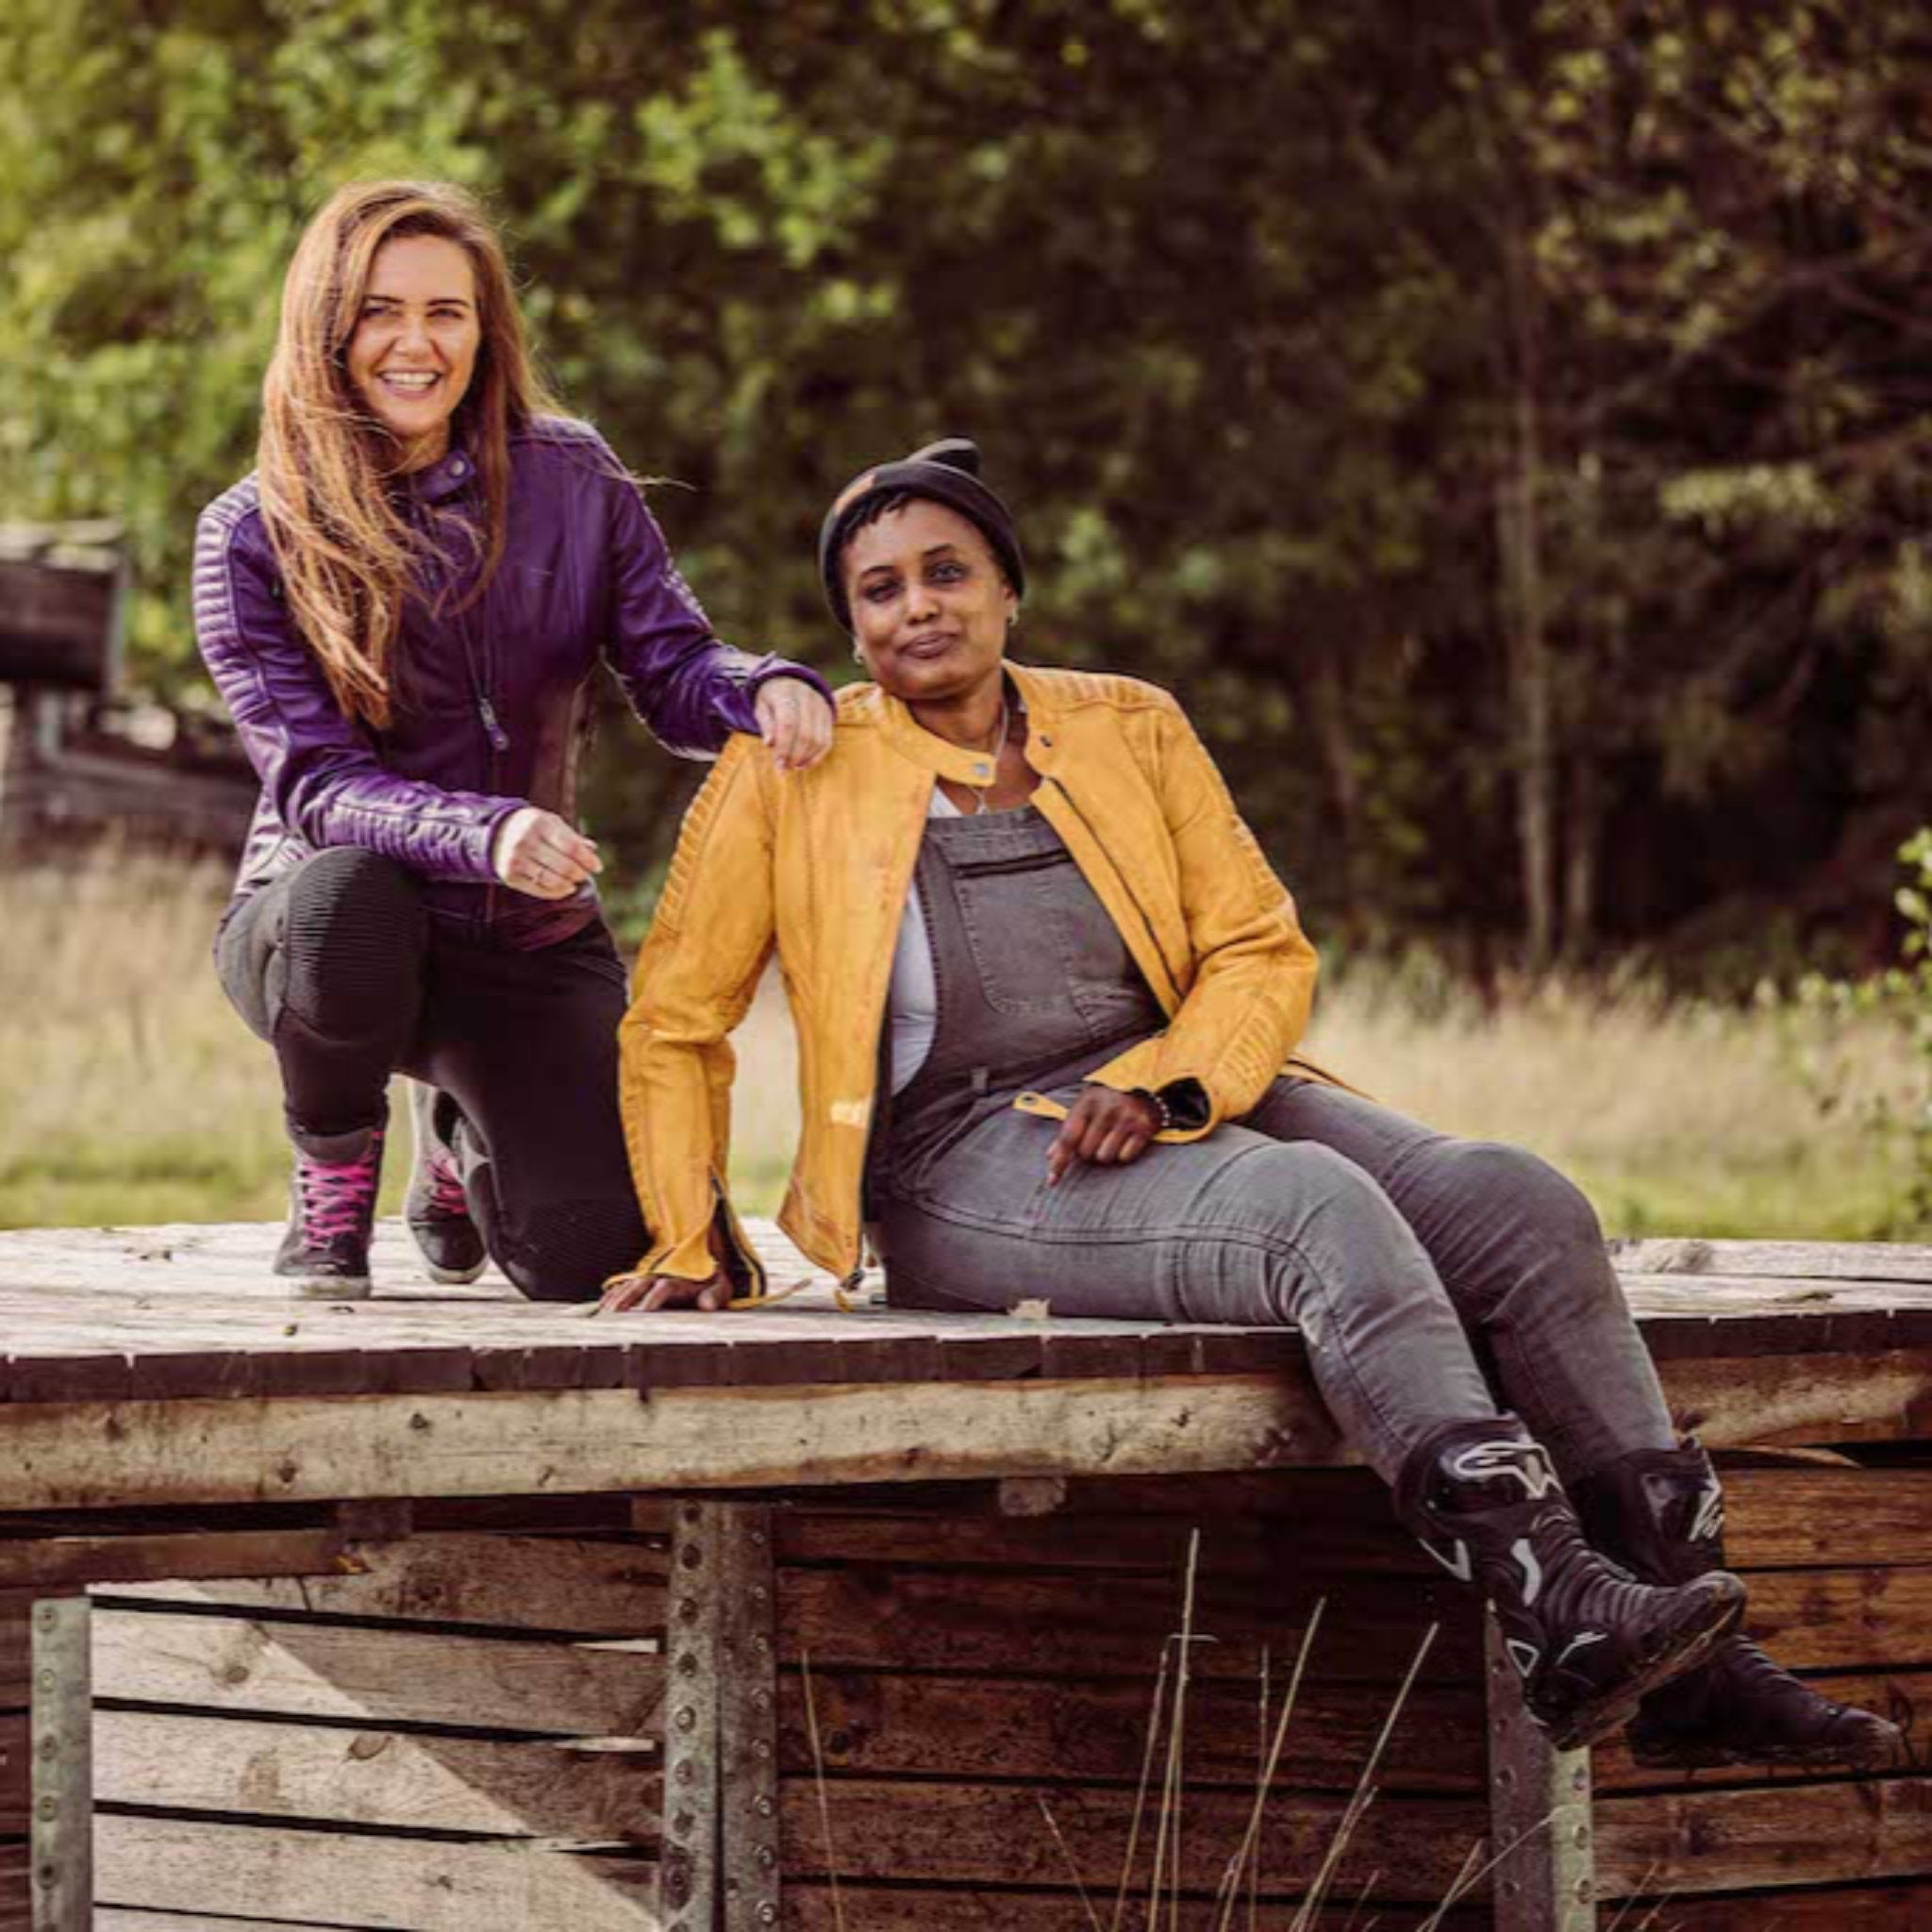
{"x":332,"y":1191}
{"x":1661,"y":1511}
{"x":436,"y":1209}
{"x":1588,"y":1640}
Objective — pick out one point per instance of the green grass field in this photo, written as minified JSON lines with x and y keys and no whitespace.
{"x":129,"y":1092}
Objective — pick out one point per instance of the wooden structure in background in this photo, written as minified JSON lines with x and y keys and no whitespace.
{"x":449,"y":1613}
{"x":67,"y":767}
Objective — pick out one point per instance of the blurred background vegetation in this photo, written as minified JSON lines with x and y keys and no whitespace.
{"x":1508,"y":426}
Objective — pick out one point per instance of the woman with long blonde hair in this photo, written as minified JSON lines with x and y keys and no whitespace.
{"x":402,"y":608}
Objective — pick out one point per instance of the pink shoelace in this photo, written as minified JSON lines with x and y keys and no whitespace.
{"x":339,"y":1197}
{"x":446,"y":1196}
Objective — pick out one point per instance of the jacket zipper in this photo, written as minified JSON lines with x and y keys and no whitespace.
{"x":881,"y":1062}
{"x":493,"y":733}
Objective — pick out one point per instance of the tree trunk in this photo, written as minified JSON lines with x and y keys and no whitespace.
{"x":1520,"y":529}
{"x":1580,"y":846}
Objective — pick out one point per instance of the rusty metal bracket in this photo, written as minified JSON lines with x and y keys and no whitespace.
{"x":689,"y":1886}
{"x":721,"y":1731}
{"x":748,"y":1718}
{"x":61,"y":1730}
{"x":1541,"y":1834}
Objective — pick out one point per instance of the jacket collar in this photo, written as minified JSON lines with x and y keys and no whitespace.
{"x":450,"y":473}
{"x":957,"y":764}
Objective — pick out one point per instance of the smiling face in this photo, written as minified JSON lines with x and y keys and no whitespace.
{"x":414,"y":346}
{"x":930,"y":605}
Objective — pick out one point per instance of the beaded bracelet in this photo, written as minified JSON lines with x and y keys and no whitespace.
{"x":1160,"y":1107}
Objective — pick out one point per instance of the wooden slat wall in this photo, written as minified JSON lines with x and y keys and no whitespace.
{"x":460,"y":1737}
{"x":15,"y":1647}
{"x":967,"y":1667}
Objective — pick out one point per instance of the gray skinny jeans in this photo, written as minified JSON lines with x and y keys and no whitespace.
{"x":1417,"y":1266}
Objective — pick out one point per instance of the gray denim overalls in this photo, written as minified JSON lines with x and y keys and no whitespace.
{"x":1379,"y":1238}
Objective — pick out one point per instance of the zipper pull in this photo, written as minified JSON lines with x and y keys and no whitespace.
{"x":499,"y":737}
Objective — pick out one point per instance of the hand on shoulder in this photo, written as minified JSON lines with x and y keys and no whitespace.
{"x":795,"y":722}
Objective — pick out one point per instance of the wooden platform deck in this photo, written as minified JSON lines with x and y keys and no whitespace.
{"x":224,"y":1390}
{"x":444,"y":1612}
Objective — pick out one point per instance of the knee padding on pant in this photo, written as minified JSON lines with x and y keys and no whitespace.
{"x":352,"y":945}
{"x":564,"y":1251}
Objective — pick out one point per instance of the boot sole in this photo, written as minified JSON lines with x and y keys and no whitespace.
{"x":1579,"y":1729}
{"x":331,"y":1287}
{"x":454,"y":1277}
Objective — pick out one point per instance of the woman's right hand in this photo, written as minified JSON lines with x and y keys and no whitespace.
{"x":538,"y":853}
{"x":1105,"y":1126}
{"x":649,"y":1293}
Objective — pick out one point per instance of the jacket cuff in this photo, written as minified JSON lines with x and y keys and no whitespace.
{"x":689,"y":1259}
{"x":482,"y":854}
{"x":771,"y":665}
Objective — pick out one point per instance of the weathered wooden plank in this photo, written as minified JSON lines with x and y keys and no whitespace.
{"x":981,"y":1908}
{"x":142,"y":1346}
{"x":1802,"y":1399}
{"x":1037,"y":1625}
{"x":492,"y":1581}
{"x":376,"y":1676}
{"x":1834,"y":1908}
{"x":880,"y":1723}
{"x":1839,"y":1518}
{"x":1031,"y":1626}
{"x":15,"y":1773}
{"x":1809,"y":1260}
{"x":1863,"y":1622}
{"x":1826,"y":1620}
{"x":972,"y":1834}
{"x":76,"y":1456}
{"x":399,"y":1885}
{"x":15,"y":1650}
{"x":375,"y":1777}
{"x":1294,"y":1522}
{"x":1694,"y":1842}
{"x":16,"y":1885}
{"x":984,"y":1909}
{"x":895,"y":1909}
{"x":67,"y":1562}
{"x":1673,"y":1844}
{"x":133,"y":1919}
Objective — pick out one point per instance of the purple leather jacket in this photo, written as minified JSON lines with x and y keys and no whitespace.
{"x":491,"y":700}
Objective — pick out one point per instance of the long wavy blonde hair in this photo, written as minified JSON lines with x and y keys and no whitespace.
{"x":349,"y":556}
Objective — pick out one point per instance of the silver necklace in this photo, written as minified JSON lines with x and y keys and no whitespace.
{"x":979,"y":792}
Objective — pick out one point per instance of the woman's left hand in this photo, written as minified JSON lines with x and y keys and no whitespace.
{"x":1104,"y":1125}
{"x":649,"y":1293}
{"x":795,"y":722}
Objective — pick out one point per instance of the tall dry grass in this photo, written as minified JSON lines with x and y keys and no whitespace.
{"x":130,"y":1092}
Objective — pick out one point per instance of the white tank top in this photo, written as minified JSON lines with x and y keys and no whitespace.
{"x":913,"y":1002}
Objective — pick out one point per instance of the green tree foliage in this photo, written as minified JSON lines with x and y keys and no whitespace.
{"x":1505,"y":425}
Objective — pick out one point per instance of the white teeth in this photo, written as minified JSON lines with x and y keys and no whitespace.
{"x":410,"y":382}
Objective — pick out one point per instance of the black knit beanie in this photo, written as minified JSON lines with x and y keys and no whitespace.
{"x":947,"y":472}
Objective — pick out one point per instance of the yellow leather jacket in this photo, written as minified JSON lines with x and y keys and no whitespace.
{"x":819,"y":863}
